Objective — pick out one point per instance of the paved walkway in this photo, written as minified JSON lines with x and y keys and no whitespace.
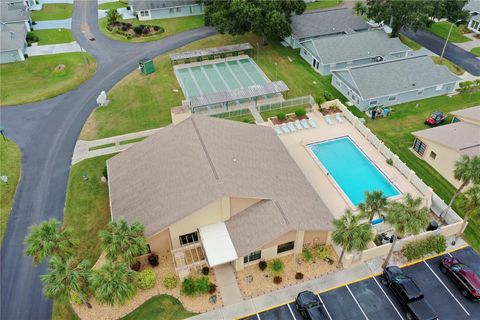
{"x":53,"y":49}
{"x":469,"y":45}
{"x":53,"y":24}
{"x":255,"y":114}
{"x":227,"y":284}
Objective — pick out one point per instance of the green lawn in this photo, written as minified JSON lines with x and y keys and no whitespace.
{"x":161,"y":307}
{"x":36,"y":79}
{"x":140,"y":102}
{"x":113,"y":5}
{"x":396,"y":130}
{"x":323,"y":4}
{"x":442,"y":28}
{"x":53,"y":36}
{"x":476,"y":51}
{"x":171,"y":26}
{"x":450,"y":65}
{"x":57,"y":11}
{"x":10,"y":157}
{"x":409,"y":42}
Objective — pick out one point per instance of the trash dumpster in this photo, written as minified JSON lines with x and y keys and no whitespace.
{"x":146,"y":66}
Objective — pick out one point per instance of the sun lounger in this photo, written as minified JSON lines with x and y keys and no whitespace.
{"x":328,"y":119}
{"x":277,"y":130}
{"x":304,"y":124}
{"x":285,"y":128}
{"x":339,"y":117}
{"x":291,"y":127}
{"x":312,"y":122}
{"x":298,"y":125}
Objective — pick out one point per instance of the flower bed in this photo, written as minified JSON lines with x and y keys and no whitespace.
{"x":130,"y":31}
{"x":285,"y":118}
{"x":330,"y":110}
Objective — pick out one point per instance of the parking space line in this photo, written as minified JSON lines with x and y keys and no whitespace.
{"x":378,"y":284}
{"x":289,"y":308}
{"x":258,"y":317}
{"x":358,"y":304}
{"x":447,"y":288}
{"x":328,"y":313}
{"x":449,"y":254}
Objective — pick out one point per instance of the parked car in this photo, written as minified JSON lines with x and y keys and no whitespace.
{"x":408,"y":294}
{"x":465,"y":278}
{"x":435,"y":118}
{"x":310,"y":306}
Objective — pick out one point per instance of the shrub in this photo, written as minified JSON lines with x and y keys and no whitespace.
{"x":281,"y":116}
{"x":124,"y":27}
{"x":75,"y":298}
{"x":203,"y":285}
{"x":188,"y":287}
{"x":136,"y":266}
{"x":262,"y":265}
{"x":156,"y":28}
{"x":213,"y":288}
{"x":322,"y":252}
{"x":153,"y":260}
{"x":307,"y":255}
{"x":105,"y":172}
{"x":128,"y":24}
{"x":299,"y":276}
{"x":328,"y":96}
{"x":276,"y":265}
{"x":146,"y":279}
{"x":300,"y":112}
{"x":146,"y":30}
{"x":420,"y":248}
{"x":192,"y":286}
{"x":390,"y":161}
{"x":138,"y":29}
{"x":31,"y":37}
{"x":319,"y":100}
{"x":170,"y":282}
{"x":205,"y":271}
{"x":277,"y":279}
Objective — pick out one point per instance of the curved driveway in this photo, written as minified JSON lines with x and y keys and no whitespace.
{"x":46,"y":133}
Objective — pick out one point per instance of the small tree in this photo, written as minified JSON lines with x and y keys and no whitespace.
{"x":48,"y":239}
{"x":360,"y":8}
{"x":470,"y":204}
{"x":66,"y":278}
{"x":113,"y":16}
{"x":124,"y":241}
{"x":351,"y":234}
{"x":467,"y":170}
{"x":375,"y":202}
{"x":114,"y":283}
{"x":408,"y":217}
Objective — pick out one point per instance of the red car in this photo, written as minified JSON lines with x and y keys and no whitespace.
{"x":435,"y":119}
{"x":465,"y":278}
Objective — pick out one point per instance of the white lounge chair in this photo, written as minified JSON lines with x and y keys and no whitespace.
{"x":285,"y":128}
{"x":328,"y":119}
{"x":304,"y":124}
{"x":291,"y":127}
{"x":312,"y":122}
{"x":298,"y":125}
{"x":339,"y":117}
{"x":277,"y":129}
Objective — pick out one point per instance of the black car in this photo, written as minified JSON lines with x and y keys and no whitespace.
{"x":408,"y":294}
{"x":310,"y":306}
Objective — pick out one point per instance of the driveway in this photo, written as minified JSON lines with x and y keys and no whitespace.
{"x":46,"y":133}
{"x":53,"y":24}
{"x":53,"y":49}
{"x":457,"y":55}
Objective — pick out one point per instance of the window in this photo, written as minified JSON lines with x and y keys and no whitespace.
{"x":255,"y":255}
{"x":144,"y":13}
{"x":420,"y":92}
{"x":304,"y":52}
{"x":433,"y":155}
{"x":285,"y":247}
{"x":179,"y":9}
{"x":392,"y":98}
{"x":188,"y":238}
{"x":419,"y":146}
{"x":374,"y":102}
{"x":171,"y":10}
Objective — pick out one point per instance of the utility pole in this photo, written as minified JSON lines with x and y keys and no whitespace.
{"x":448,"y":37}
{"x":394,"y":241}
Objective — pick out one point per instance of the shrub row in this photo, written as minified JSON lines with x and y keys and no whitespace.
{"x":320,"y":252}
{"x":192,"y":286}
{"x":420,"y":248}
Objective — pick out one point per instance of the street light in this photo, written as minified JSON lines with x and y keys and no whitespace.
{"x":446,"y":41}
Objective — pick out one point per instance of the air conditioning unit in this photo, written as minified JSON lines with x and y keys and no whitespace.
{"x":379,"y":59}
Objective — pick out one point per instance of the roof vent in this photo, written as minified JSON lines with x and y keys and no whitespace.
{"x":413,"y":84}
{"x":234,"y":160}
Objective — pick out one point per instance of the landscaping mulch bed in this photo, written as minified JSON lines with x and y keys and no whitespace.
{"x":130,"y":31}
{"x":289,"y":118}
{"x":330,"y":110}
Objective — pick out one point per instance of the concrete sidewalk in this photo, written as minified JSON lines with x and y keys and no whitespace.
{"x":227,"y":284}
{"x":53,"y":49}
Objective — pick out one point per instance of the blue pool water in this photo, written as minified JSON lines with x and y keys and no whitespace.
{"x":351,"y":169}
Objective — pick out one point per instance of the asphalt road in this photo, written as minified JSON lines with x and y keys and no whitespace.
{"x":457,"y":55}
{"x":46,"y":133}
{"x":369,"y":299}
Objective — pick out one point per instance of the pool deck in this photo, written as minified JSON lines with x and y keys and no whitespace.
{"x":296,"y":144}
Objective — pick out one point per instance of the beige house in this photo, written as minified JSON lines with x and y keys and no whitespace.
{"x":213,"y":191}
{"x":442,"y":146}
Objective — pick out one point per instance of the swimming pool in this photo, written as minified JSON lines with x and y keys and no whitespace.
{"x":353,"y":172}
{"x":221,"y":76}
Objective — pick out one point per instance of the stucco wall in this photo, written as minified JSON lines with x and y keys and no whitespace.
{"x":160,"y":243}
{"x":10,"y":56}
{"x":313,"y":238}
{"x":239,"y":204}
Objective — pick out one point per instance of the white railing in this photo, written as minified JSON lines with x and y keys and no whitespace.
{"x":299,"y":101}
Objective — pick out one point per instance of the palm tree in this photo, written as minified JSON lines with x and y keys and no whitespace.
{"x":124,"y":241}
{"x":351,"y":234}
{"x":113,"y":16}
{"x":114,"y":283}
{"x":66,"y":278}
{"x":49,"y":239}
{"x":408,"y":217}
{"x":470,"y":204}
{"x":374,"y":203}
{"x":467,"y":170}
{"x":359,"y":8}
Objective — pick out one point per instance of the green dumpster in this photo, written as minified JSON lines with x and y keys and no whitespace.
{"x":146,"y":66}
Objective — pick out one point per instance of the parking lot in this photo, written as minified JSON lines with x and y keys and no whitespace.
{"x":369,"y":299}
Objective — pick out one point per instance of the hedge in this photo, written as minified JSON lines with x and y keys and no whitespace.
{"x":421,"y":248}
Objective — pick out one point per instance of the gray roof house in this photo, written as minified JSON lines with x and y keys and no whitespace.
{"x":164,"y":9}
{"x":322,"y":23}
{"x":350,"y":50}
{"x":473,"y":7}
{"x":393,"y":82}
{"x":14,"y":12}
{"x":12,"y":42}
